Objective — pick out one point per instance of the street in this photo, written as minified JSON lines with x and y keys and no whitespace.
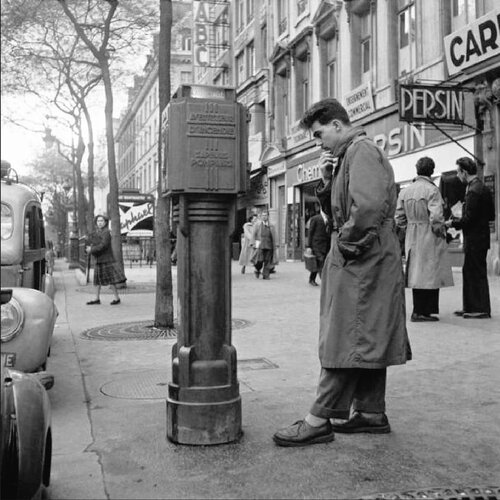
{"x":109,"y":411}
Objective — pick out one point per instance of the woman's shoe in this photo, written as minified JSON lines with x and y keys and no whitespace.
{"x":114,"y":302}
{"x":93,"y":302}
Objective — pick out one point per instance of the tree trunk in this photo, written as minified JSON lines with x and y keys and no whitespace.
{"x":164,"y":309}
{"x":80,"y":149}
{"x":90,"y":166}
{"x":114,"y":212}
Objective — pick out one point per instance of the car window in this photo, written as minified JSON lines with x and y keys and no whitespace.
{"x":7,"y":221}
{"x":30,"y":230}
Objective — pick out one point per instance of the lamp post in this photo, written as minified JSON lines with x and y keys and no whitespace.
{"x":72,"y":255}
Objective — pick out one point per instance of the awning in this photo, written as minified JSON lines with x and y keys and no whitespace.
{"x":140,"y":233}
{"x":256,"y":172}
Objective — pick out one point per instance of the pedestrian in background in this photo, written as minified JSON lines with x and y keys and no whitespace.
{"x":477,"y":211}
{"x":318,"y":243}
{"x":420,"y":213}
{"x":106,"y":270}
{"x":247,"y":243}
{"x":265,"y":245}
{"x":362,"y":307}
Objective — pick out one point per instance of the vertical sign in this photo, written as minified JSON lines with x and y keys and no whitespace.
{"x":201,"y":36}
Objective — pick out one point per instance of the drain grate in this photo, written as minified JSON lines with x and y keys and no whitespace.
{"x":142,"y":330}
{"x":468,"y":493}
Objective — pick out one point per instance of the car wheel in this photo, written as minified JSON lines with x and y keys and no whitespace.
{"x":10,"y":472}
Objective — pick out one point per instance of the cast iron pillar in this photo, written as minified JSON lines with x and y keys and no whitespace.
{"x":205,"y":144}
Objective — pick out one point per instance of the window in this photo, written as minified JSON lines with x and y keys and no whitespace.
{"x":186,"y":42}
{"x":331,"y":67}
{"x":239,"y":12}
{"x":263,"y":46}
{"x":250,"y":55}
{"x":407,"y":47}
{"x":301,"y":7}
{"x":250,"y":10}
{"x":282,"y":16}
{"x":240,"y":68}
{"x":462,"y":13}
{"x":365,"y":32}
{"x":7,"y":221}
{"x":185,"y":76}
{"x":302,"y":86}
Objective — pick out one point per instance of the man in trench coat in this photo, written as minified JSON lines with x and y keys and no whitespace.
{"x":420,"y":212}
{"x":362,"y":308}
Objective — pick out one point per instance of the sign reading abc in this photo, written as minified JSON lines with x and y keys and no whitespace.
{"x":473,"y":43}
{"x":431,"y":104}
{"x":206,"y":145}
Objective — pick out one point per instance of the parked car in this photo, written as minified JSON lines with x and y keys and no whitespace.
{"x":29,"y":316}
{"x":26,"y":437}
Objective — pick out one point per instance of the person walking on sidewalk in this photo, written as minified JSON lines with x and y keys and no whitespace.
{"x":318,"y":242}
{"x":106,"y":270}
{"x":477,"y":211}
{"x":362,"y":307}
{"x":247,"y":243}
{"x":419,"y":212}
{"x":265,"y":238}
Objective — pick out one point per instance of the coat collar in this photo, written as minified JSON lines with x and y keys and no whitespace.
{"x":347,"y":140}
{"x":424,"y":178}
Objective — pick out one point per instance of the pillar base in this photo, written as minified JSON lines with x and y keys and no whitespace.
{"x":204,"y":423}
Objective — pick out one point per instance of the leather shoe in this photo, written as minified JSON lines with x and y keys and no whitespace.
{"x":458,"y":313}
{"x":422,"y":317}
{"x":359,"y":423}
{"x":302,"y":434}
{"x":313,"y":283}
{"x":115,"y":301}
{"x":476,"y":315}
{"x":93,"y":302}
{"x":257,"y":274}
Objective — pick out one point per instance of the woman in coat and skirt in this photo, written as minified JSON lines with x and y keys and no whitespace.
{"x":247,"y":243}
{"x":106,"y":270}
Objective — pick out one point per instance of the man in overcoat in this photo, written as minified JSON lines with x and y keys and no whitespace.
{"x":477,"y":211}
{"x":419,"y":212}
{"x":362,"y":308}
{"x":265,"y":242}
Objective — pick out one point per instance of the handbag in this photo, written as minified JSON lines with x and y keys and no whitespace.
{"x":310,"y":261}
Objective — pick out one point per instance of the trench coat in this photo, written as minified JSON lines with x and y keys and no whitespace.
{"x":256,"y":237}
{"x":362,"y":308}
{"x":247,"y":243}
{"x":420,"y":211}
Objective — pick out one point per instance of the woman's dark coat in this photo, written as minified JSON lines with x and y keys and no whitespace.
{"x":100,"y":246}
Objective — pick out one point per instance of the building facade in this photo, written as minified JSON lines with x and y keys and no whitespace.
{"x":284,"y":55}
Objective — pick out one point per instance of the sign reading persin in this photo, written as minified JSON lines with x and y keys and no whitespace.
{"x":431,"y":104}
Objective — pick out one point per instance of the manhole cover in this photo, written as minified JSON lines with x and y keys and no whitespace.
{"x":131,"y":288}
{"x":141,"y":330}
{"x":468,"y":493}
{"x":255,"y":364}
{"x":145,"y":385}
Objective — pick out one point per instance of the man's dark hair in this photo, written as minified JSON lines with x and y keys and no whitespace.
{"x":324,"y":112}
{"x":425,"y":166}
{"x":468,"y":165}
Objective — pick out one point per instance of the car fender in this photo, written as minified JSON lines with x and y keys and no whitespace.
{"x":32,"y":343}
{"x":32,"y":410}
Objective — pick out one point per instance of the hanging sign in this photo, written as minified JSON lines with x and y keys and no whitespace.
{"x":134,"y":215}
{"x":474,"y":43}
{"x":431,"y":104}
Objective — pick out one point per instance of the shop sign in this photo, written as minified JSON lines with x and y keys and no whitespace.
{"x":400,"y":140}
{"x":359,"y":102}
{"x":134,"y":215}
{"x":473,"y":43}
{"x":308,"y":172}
{"x":431,"y":104}
{"x":275,"y":170}
{"x":298,"y":135}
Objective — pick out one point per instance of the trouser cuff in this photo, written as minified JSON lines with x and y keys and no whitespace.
{"x":368,"y":407}
{"x":322,"y":412}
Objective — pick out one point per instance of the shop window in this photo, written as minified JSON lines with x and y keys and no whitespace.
{"x":407,"y":45}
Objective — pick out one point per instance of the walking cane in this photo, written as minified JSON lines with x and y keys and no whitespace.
{"x":88,"y":268}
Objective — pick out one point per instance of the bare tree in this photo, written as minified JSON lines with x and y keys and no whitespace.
{"x":164,"y":310}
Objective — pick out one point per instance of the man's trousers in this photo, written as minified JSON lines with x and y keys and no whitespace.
{"x":339,"y":388}
{"x":476,"y":294}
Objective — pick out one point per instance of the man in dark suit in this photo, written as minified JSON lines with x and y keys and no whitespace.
{"x":477,"y":211}
{"x":318,"y":241}
{"x":265,"y":238}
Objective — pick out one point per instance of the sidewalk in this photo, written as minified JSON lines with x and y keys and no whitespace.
{"x":109,"y":417}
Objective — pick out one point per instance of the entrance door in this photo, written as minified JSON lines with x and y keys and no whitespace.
{"x":281,"y":221}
